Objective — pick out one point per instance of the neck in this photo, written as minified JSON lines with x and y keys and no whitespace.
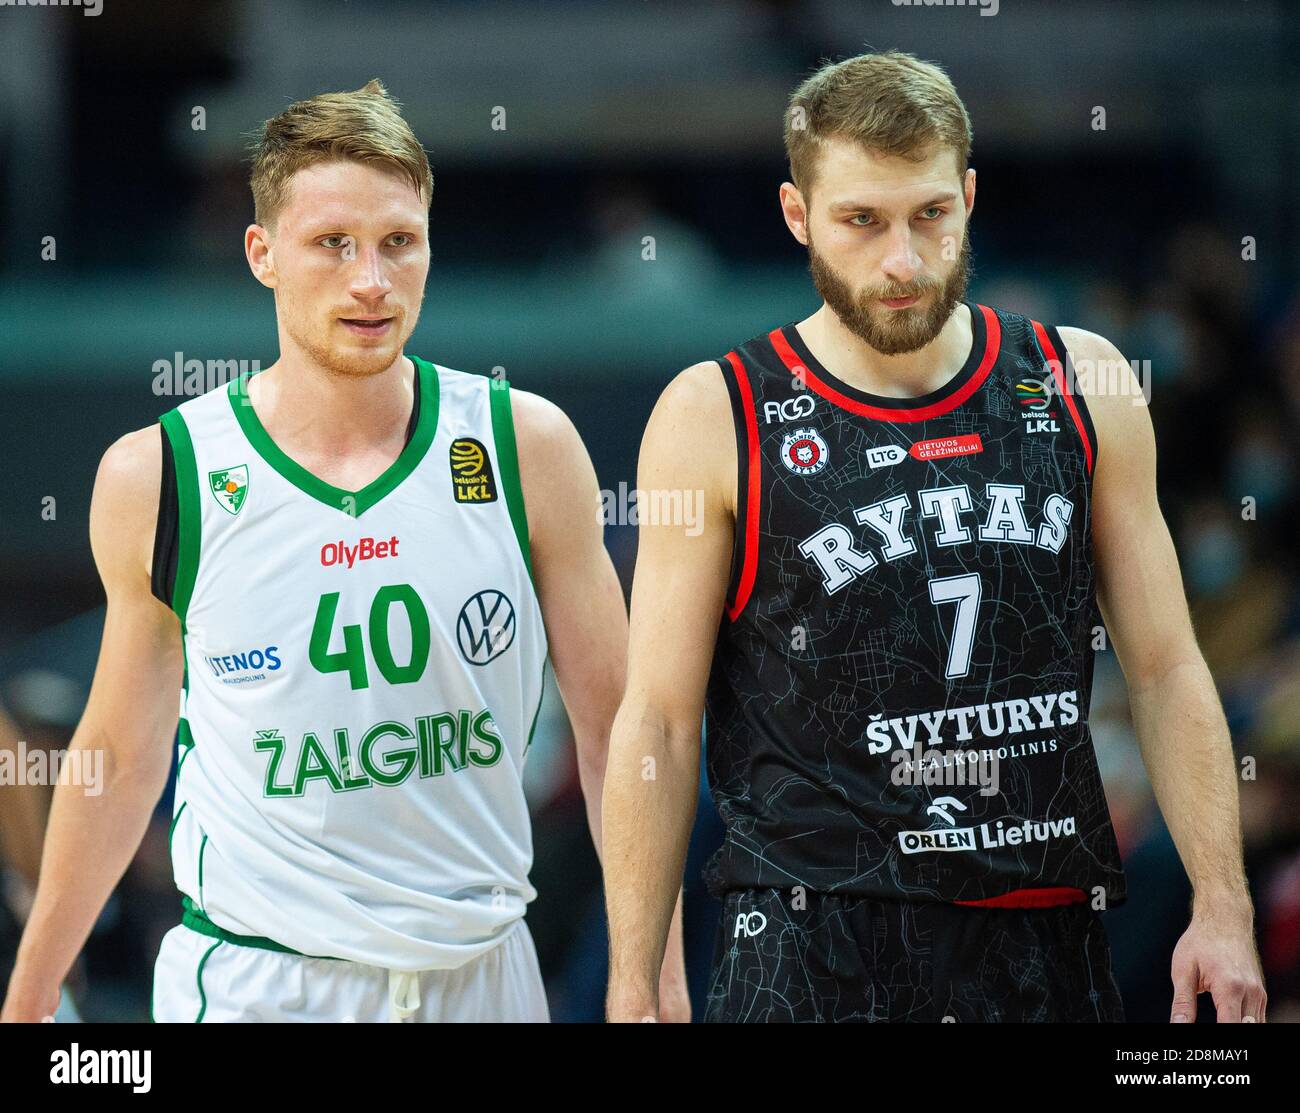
{"x":317,"y":409}
{"x":910,"y":375}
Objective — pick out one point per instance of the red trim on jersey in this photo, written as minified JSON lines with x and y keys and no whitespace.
{"x":1030,"y":898}
{"x":992,"y":344}
{"x":750,"y":567}
{"x":1058,"y":368}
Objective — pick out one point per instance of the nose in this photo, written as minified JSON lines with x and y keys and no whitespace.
{"x":369,"y":280}
{"x":900,"y":263}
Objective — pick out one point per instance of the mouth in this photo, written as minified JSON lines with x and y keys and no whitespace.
{"x":900,"y":303}
{"x":367,"y":326}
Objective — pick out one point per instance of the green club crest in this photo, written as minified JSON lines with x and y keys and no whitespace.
{"x":229,"y":487}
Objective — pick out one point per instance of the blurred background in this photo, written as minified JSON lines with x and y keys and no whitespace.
{"x":1169,"y":223}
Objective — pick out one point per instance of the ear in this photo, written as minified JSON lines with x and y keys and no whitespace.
{"x":257,"y":250}
{"x":795,"y":212}
{"x":968,"y":189}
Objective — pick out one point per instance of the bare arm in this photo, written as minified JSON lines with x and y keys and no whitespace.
{"x":581,"y":598}
{"x":130,"y":716}
{"x":1180,"y":725}
{"x":688,"y":454}
{"x":585,"y":616}
{"x":22,"y":818}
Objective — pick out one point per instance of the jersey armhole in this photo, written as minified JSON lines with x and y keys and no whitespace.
{"x":744,"y":556}
{"x":1061,"y":363}
{"x":415,"y":406}
{"x":180,"y":448}
{"x":503,"y":434}
{"x":163,"y":577}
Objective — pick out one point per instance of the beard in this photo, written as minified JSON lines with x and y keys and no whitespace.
{"x":346,"y":361}
{"x":892,"y":332}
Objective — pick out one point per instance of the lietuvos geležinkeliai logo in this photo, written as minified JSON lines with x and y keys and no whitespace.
{"x":229,"y":487}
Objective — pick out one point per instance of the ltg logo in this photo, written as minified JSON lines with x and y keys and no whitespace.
{"x":749,"y":924}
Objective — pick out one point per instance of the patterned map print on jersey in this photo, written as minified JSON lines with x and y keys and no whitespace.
{"x":926,"y":594}
{"x":837,"y":959}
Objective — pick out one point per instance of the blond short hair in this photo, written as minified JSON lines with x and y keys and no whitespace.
{"x":365,"y":125}
{"x":891,"y":103}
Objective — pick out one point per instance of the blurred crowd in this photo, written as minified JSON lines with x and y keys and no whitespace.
{"x":1215,"y":332}
{"x":1224,"y":382}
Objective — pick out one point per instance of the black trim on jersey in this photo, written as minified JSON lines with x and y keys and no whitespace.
{"x":1072,"y":379}
{"x":165,"y":547}
{"x":166,"y":536}
{"x":415,"y":411}
{"x":742,"y":482}
{"x":979,"y":341}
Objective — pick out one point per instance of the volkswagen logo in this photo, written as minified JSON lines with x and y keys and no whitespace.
{"x":486,"y":627}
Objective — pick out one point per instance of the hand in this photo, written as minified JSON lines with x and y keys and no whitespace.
{"x":674,"y":996}
{"x":626,"y":1005}
{"x":1218,"y":957}
{"x":27,"y":1007}
{"x":671,"y":1005}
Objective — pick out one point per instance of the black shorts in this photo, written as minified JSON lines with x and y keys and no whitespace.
{"x":845,"y":958}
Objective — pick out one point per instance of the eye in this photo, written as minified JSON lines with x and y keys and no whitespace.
{"x":329,"y":241}
{"x":860,"y":216}
{"x":405,"y":238}
{"x":936,"y":209}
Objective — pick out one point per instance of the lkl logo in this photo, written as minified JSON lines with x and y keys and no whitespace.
{"x":1035,"y":398}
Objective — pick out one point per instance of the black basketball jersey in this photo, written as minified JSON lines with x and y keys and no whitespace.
{"x":898,"y":701}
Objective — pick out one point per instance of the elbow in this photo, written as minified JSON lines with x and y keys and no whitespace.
{"x":1156,"y":672}
{"x":125,"y":763}
{"x":652,"y":726}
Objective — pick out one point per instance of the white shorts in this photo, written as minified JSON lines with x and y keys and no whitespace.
{"x":199,"y":978}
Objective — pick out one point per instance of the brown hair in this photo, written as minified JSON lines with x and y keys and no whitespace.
{"x":891,"y":103}
{"x":365,"y":125}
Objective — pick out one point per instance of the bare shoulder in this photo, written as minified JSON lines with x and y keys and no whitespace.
{"x":552,"y":457}
{"x":124,"y":506}
{"x":540,"y":423}
{"x":555,"y":471}
{"x":690,"y":439}
{"x":698,"y":396}
{"x":1086,"y":345}
{"x":1106,"y":380}
{"x":690,"y":424}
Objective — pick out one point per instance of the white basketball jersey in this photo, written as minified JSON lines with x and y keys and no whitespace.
{"x":363,"y":674}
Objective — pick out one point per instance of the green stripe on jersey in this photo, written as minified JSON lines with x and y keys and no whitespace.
{"x":503,"y":432}
{"x":540,"y":697}
{"x":198,"y":980}
{"x":352,"y":503}
{"x":194,"y":918}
